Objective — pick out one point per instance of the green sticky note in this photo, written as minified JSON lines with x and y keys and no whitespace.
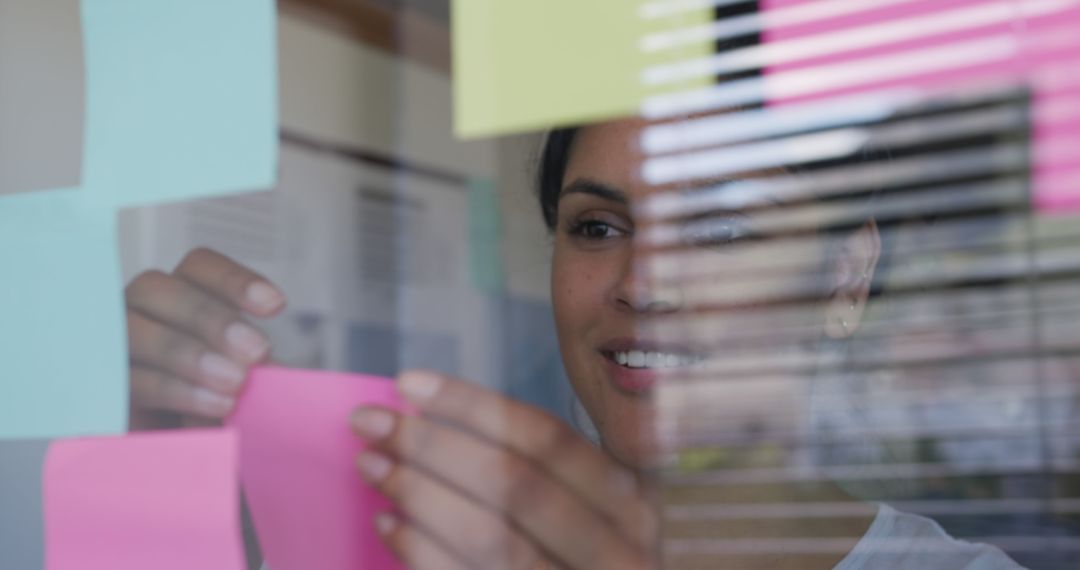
{"x":181,"y":98}
{"x":62,"y":332}
{"x":485,"y":237}
{"x":525,"y":65}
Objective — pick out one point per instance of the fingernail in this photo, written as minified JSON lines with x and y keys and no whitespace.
{"x":419,"y":386}
{"x":373,"y":423}
{"x":264,"y":296}
{"x":385,"y":523}
{"x":247,"y":341}
{"x":222,"y":370}
{"x":212,"y":403}
{"x":373,"y":466}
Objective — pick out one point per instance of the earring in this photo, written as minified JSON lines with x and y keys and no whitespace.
{"x":844,"y":325}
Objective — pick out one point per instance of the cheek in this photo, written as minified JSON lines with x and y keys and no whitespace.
{"x":578,"y":285}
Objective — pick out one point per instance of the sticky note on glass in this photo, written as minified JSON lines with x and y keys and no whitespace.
{"x":524,"y":65}
{"x":42,"y":85}
{"x":298,"y":466}
{"x":485,"y":237}
{"x":167,"y":501}
{"x":181,"y":100}
{"x":62,"y":331}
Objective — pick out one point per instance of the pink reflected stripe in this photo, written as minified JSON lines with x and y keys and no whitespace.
{"x":1041,"y":50}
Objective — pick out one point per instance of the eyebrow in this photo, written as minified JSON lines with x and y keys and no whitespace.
{"x":594,"y":188}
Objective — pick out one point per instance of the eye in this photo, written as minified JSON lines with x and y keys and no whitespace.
{"x":595,"y":230}
{"x":715,"y":231}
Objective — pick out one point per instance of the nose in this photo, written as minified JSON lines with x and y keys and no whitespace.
{"x":641,"y":291}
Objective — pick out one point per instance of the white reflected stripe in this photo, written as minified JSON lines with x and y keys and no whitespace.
{"x":701,"y":546}
{"x":665,"y":8}
{"x":866,"y":471}
{"x":726,"y":28}
{"x":854,"y":38}
{"x":851,"y":40}
{"x":1057,"y":109}
{"x":771,"y":154}
{"x":837,"y":181}
{"x":1057,"y":76}
{"x":810,"y":12}
{"x":733,"y":127}
{"x":822,"y":510}
{"x":840,"y":112}
{"x":1058,"y":150}
{"x":823,"y":79}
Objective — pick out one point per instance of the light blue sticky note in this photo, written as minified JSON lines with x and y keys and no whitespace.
{"x":181,"y":98}
{"x":62,"y":335}
{"x":181,"y":104}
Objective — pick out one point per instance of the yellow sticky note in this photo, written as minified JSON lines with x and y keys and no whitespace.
{"x":524,"y":65}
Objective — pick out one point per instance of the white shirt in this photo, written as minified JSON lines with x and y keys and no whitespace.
{"x":898,"y":540}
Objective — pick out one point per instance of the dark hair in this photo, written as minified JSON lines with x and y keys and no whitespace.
{"x":552,"y":168}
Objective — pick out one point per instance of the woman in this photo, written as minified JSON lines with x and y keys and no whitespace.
{"x":485,"y":482}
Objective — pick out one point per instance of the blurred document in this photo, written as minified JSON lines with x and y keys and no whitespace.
{"x":182,"y":100}
{"x":297,"y":463}
{"x":167,"y":501}
{"x":62,"y":334}
{"x":42,"y":86}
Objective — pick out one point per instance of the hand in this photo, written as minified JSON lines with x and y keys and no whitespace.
{"x":481,"y":481}
{"x":190,"y":347}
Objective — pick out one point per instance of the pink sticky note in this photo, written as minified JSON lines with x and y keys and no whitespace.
{"x":167,"y":501}
{"x":298,"y":467}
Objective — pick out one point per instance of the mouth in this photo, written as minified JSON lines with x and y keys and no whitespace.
{"x":636,"y":365}
{"x":651,"y":359}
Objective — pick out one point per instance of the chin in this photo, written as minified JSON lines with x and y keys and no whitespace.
{"x":640,"y":455}
{"x":629,"y":436}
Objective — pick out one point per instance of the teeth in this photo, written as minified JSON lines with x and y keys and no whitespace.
{"x":643,"y":359}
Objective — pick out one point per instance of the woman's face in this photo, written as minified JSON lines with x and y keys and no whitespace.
{"x":631,"y":314}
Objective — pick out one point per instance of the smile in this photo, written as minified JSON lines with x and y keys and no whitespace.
{"x":651,"y":360}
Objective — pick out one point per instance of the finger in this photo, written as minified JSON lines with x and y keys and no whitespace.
{"x":471,"y":532}
{"x":153,"y":389}
{"x":503,"y":481}
{"x":154,"y":345}
{"x":542,"y":438}
{"x":175,"y":302}
{"x":230,"y":280}
{"x":415,"y":549}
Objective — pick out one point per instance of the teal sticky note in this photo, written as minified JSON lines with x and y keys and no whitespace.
{"x":62,"y":333}
{"x":181,"y":98}
{"x":485,"y":237}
